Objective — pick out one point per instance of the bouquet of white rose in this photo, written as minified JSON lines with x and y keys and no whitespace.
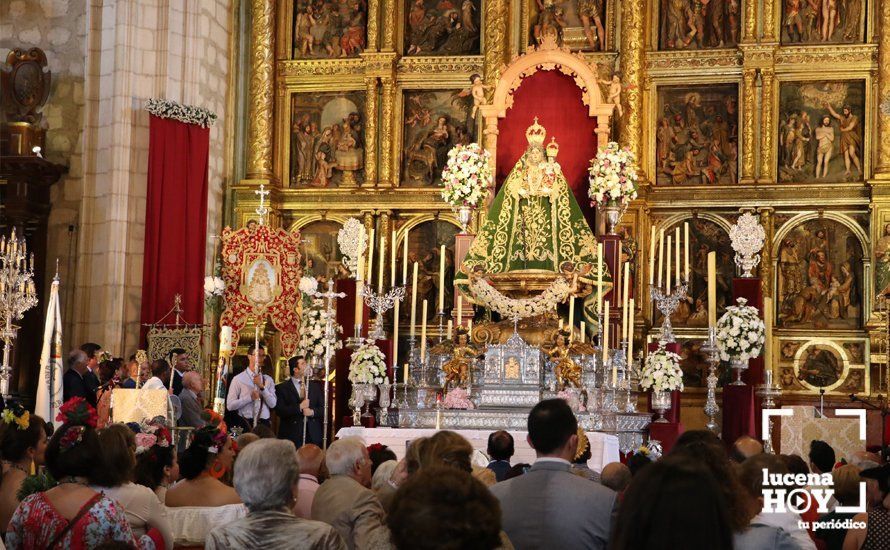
{"x":467,"y":176}
{"x":312,"y":327}
{"x":662,"y":371}
{"x":740,"y":333}
{"x":368,"y":366}
{"x":214,"y":286}
{"x":613,"y":175}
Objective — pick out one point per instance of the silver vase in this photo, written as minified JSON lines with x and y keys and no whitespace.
{"x":612,"y":212}
{"x":738,"y":367}
{"x":661,"y":402}
{"x":464,"y":215}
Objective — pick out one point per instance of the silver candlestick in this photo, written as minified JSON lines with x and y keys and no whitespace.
{"x":768,"y":392}
{"x":329,"y":337}
{"x":380,"y":304}
{"x":667,"y":304}
{"x":17,"y":295}
{"x":713,"y":357}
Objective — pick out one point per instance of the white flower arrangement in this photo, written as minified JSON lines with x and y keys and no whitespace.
{"x":521,"y":308}
{"x":214,"y":286}
{"x":352,"y":240}
{"x":368,"y":366}
{"x":467,"y":176}
{"x":188,"y":114}
{"x":312,"y":330}
{"x":662,"y":371}
{"x":308,"y":285}
{"x":613,"y":175}
{"x":740,"y":333}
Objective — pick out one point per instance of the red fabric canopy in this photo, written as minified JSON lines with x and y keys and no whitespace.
{"x":175,"y":220}
{"x":556,"y":100}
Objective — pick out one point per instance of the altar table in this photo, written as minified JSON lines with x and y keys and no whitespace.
{"x":603,"y":447}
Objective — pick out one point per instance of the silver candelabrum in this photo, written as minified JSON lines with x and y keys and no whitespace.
{"x":713,"y":357}
{"x":380,"y":304}
{"x":17,"y":295}
{"x":768,"y":392}
{"x":667,"y":304}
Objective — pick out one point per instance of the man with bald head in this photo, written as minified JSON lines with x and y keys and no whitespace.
{"x":745,"y":447}
{"x":191,"y":399}
{"x":615,"y":476}
{"x":310,"y":458}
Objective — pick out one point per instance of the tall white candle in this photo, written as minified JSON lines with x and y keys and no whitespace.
{"x":359,"y":291}
{"x":630,"y":333}
{"x":393,"y":252}
{"x":768,"y":335}
{"x":395,"y":336}
{"x":442,"y":278}
{"x":414,"y":302}
{"x":583,"y":331}
{"x":624,"y":298}
{"x":667,"y":280}
{"x":370,"y":277}
{"x":405,"y":261}
{"x":686,"y":252}
{"x":571,"y":312}
{"x":605,"y":343}
{"x":660,"y":257}
{"x":423,"y":332}
{"x":450,"y":328}
{"x":652,"y":256}
{"x":677,"y":255}
{"x":599,"y":277}
{"x":712,"y":289}
{"x":381,"y":264}
{"x":460,"y":309}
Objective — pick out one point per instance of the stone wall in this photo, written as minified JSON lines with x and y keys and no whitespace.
{"x":59,"y":28}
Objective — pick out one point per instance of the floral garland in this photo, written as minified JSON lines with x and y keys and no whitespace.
{"x":352,"y":240}
{"x":312,"y":330}
{"x":613,"y":175}
{"x":467,"y":176}
{"x":740,"y":333}
{"x":662,"y":371}
{"x":150,"y":434}
{"x":189,"y":114}
{"x":16,"y":414}
{"x":368,"y":365}
{"x":521,"y":308}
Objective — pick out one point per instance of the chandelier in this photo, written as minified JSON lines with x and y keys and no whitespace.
{"x":17,"y":295}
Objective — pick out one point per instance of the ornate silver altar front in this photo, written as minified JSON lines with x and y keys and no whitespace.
{"x":512,"y":375}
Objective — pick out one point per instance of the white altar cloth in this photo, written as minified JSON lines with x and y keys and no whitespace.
{"x":603,"y":447}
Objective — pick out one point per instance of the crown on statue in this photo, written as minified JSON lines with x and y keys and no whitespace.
{"x":552,"y":148}
{"x":536,"y":134}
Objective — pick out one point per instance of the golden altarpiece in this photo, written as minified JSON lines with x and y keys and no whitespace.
{"x":745,"y":108}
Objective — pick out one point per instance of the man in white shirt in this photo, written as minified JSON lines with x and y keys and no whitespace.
{"x":251,"y":391}
{"x":160,"y":371}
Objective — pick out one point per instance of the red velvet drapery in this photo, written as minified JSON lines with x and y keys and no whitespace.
{"x":175,"y":219}
{"x":556,"y":100}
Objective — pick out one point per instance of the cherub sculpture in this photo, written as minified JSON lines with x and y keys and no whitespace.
{"x":566,"y":370}
{"x":458,"y":369}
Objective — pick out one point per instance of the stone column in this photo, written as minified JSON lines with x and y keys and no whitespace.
{"x":630,"y":126}
{"x":370,"y":132}
{"x":261,"y":105}
{"x":388,"y":143}
{"x":766,"y":125}
{"x":748,"y":106}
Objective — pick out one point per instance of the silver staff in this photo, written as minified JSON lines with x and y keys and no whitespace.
{"x":328,"y":341}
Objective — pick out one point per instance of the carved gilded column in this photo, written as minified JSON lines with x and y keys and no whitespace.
{"x":384,"y":230}
{"x":370,"y":133}
{"x":373,"y":24}
{"x":387,"y":170}
{"x":631,"y":61}
{"x":769,"y":19}
{"x":766,"y":254}
{"x":766,"y":124}
{"x":748,"y":106}
{"x":496,"y":20}
{"x":883,"y":168}
{"x":749,"y":25}
{"x":262,"y":85}
{"x":390,"y":20}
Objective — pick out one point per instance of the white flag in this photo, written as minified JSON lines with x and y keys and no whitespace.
{"x":49,"y":383}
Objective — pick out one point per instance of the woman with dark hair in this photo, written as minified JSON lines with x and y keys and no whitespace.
{"x":201,"y":500}
{"x":115,"y":479}
{"x":379,"y":454}
{"x":71,"y":515}
{"x":23,"y":439}
{"x":107,"y":382}
{"x":673,"y":503}
{"x":156,"y":468}
{"x":440,"y":504}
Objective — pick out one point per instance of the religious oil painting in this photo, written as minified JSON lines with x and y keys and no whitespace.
{"x":821,"y":131}
{"x":819,"y":277}
{"x":321,"y":254}
{"x":442,"y":27}
{"x":696,"y":135}
{"x":328,"y":29}
{"x":694,"y":364}
{"x":579,"y":25}
{"x":327,"y":139}
{"x":704,"y":236}
{"x":424,"y":242}
{"x":882,"y":261}
{"x":823,"y":21}
{"x":699,"y":24}
{"x":435,"y":121}
{"x":819,"y":366}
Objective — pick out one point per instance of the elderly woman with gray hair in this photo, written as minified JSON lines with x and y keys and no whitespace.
{"x":266,"y":478}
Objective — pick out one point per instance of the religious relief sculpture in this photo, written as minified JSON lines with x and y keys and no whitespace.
{"x":576,"y":24}
{"x":327,"y":29}
{"x":458,"y":370}
{"x":565,"y":369}
{"x":821,"y":131}
{"x":327,"y":139}
{"x":822,"y":21}
{"x":699,"y":24}
{"x":442,"y":28}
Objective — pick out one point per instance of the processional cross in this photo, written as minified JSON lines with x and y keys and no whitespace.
{"x":329,"y":335}
{"x":261,"y":210}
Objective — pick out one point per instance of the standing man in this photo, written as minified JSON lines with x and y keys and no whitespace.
{"x":191,"y":399}
{"x":93,"y":352}
{"x":160,"y":371}
{"x":74,"y":381}
{"x":251,"y":390}
{"x":181,"y":365}
{"x":126,"y":373}
{"x":295,"y":401}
